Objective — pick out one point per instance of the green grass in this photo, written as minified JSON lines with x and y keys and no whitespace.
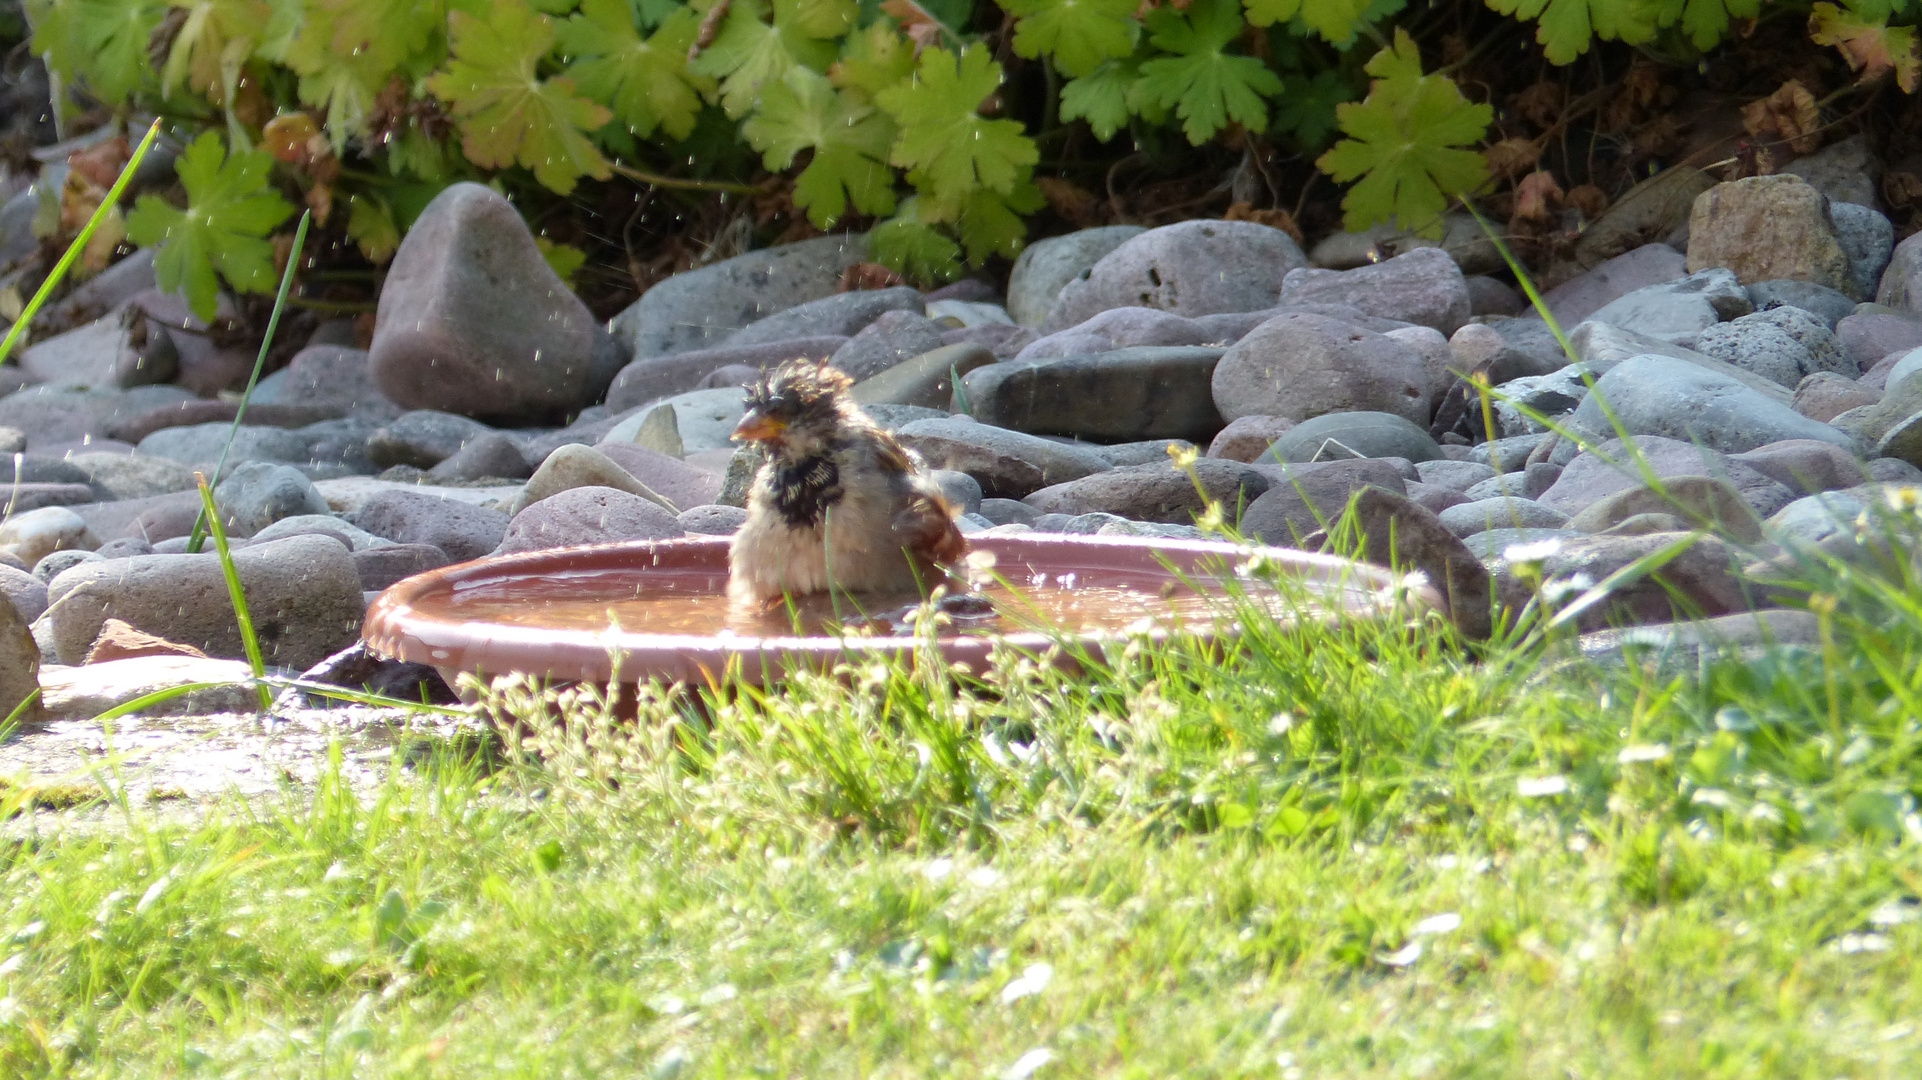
{"x":1183,"y":865}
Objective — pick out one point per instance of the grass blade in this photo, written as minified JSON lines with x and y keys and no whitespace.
{"x":13,"y":718}
{"x":79,"y":243}
{"x":198,"y":535}
{"x":248,"y":638}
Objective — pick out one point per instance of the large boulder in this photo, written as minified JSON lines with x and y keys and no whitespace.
{"x":1659,"y":395}
{"x":1046,"y":265}
{"x":1192,"y":268}
{"x":699,"y":308}
{"x":472,"y":320}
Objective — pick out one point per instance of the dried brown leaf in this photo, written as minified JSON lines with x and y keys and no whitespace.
{"x":1276,"y":218}
{"x":1789,"y":114}
{"x":1512,"y":157}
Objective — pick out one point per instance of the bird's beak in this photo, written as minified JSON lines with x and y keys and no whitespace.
{"x":758,"y":427}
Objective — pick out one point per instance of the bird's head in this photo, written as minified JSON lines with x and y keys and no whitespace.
{"x":798,"y":408}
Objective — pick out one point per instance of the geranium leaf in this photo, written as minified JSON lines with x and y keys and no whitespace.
{"x":231,"y":208}
{"x":1207,"y":87}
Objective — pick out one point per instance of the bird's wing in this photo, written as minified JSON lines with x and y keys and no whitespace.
{"x":927,"y":526}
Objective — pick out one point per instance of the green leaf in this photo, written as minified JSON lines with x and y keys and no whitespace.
{"x":1705,"y":21}
{"x":645,"y":79}
{"x":1401,"y":143}
{"x":914,"y":248}
{"x":1308,"y":106}
{"x":748,"y":53}
{"x":1101,"y":97}
{"x":346,"y":50}
{"x":1078,"y":34}
{"x":849,"y":137}
{"x":1567,"y":26}
{"x":1206,"y":87}
{"x":101,"y":42}
{"x":1335,"y":20}
{"x":991,"y":223}
{"x":874,"y":60}
{"x":565,"y":260}
{"x":507,"y":113}
{"x":230,"y":210}
{"x":370,"y":225}
{"x":950,"y":147}
{"x":214,"y":40}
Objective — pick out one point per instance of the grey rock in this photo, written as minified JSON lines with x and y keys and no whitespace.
{"x":1454,"y":475}
{"x":1818,"y":300}
{"x":1868,"y":238}
{"x":962,"y":490}
{"x":303,"y":593}
{"x":99,"y":355}
{"x":1145,"y":452}
{"x":1478,"y":347}
{"x":1423,"y":286}
{"x":49,"y":416}
{"x":926,"y":381}
{"x":19,"y":663}
{"x":712,"y":520}
{"x":331,"y":376}
{"x":1782,"y":345}
{"x":1579,"y":298}
{"x":577,"y":466}
{"x":353,"y":539}
{"x":1007,"y":464}
{"x":741,"y":469}
{"x":588,"y":515}
{"x":53,"y":563}
{"x":382,"y":567}
{"x":967,"y":313}
{"x":1303,"y":499}
{"x":12,"y":440}
{"x":1768,"y":227}
{"x":30,"y":536}
{"x":422,"y":438}
{"x":1655,"y":395}
{"x":462,"y":530}
{"x":132,"y":476}
{"x":700,"y":308}
{"x":1158,"y":492}
{"x":1600,"y":347}
{"x":1679,"y":311}
{"x":896,"y":336}
{"x":488,"y":454}
{"x":1506,"y":455}
{"x":1892,"y":471}
{"x":1693,"y":501}
{"x":1847,"y":171}
{"x":1395,"y":532}
{"x":1901,"y":286}
{"x":653,"y":377}
{"x":1870,"y":423}
{"x":1492,"y":296}
{"x":1804,"y":466}
{"x":1005,"y":342}
{"x":1127,"y":394}
{"x":1301,"y":366}
{"x":1814,"y":518}
{"x":680,"y":483}
{"x":1532,"y":338}
{"x":259,"y":493}
{"x":1506,"y":511}
{"x":1117,"y":328}
{"x":1191,"y":268}
{"x":1609,"y":468}
{"x":473,"y":321}
{"x":1046,"y":265}
{"x":1462,"y":239}
{"x":1871,"y":337}
{"x":1745,"y":634}
{"x":1353,"y":434}
{"x":26,"y":592}
{"x":1248,"y":437}
{"x":106,"y":290}
{"x":1528,"y":483}
{"x":1518,"y":401}
{"x":1825,"y":395}
{"x":1653,"y":210}
{"x":1008,"y":512}
{"x":705,"y":419}
{"x":842,"y":314}
{"x":893,"y":417}
{"x":1698,"y":582}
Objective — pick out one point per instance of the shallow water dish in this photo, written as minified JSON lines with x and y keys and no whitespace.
{"x":656,"y":610}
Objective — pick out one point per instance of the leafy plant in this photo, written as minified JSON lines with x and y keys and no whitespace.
{"x":231,"y":208}
{"x":1404,"y":143}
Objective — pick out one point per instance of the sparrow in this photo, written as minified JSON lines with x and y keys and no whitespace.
{"x":838,"y":504}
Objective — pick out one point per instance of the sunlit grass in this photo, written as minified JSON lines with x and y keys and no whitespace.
{"x":1366,"y":850}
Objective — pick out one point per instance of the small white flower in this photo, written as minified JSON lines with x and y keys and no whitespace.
{"x":1401,"y":957}
{"x":1027,"y":1064}
{"x":1439,"y":924}
{"x":1536,"y":787}
{"x":1642,"y":752}
{"x":1027,"y":984}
